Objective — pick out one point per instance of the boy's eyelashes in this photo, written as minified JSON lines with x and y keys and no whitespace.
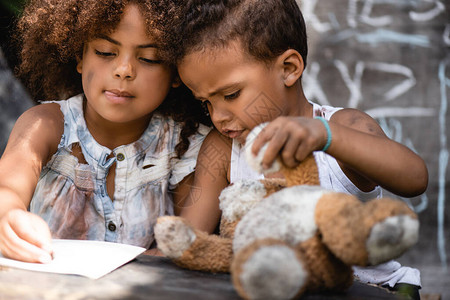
{"x":111,"y":54}
{"x":232,"y":96}
{"x":226,"y":97}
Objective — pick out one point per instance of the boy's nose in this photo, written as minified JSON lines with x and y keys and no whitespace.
{"x":220,"y":115}
{"x":125,"y":70}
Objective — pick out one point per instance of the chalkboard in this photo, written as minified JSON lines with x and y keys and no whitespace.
{"x":391,"y":59}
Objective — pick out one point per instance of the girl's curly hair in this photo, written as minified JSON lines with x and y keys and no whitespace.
{"x":51,"y":35}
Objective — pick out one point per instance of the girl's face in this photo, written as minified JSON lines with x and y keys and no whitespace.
{"x":123,"y":78}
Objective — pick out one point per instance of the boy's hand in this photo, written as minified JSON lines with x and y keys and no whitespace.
{"x":293,"y":138}
{"x":25,"y":236}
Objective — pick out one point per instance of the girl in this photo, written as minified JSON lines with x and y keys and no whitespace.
{"x":99,"y":165}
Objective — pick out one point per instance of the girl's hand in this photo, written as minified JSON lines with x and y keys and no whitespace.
{"x":25,"y":236}
{"x":293,"y":138}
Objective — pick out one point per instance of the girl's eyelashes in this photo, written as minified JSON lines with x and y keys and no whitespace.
{"x":232,"y":96}
{"x":104,"y":54}
{"x":145,"y":60}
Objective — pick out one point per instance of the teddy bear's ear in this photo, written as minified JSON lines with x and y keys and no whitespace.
{"x":306,"y":173}
{"x":255,"y":162}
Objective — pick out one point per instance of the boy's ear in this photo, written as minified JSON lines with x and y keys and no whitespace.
{"x":292,"y":64}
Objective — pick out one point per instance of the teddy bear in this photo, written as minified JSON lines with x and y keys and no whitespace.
{"x":281,"y":238}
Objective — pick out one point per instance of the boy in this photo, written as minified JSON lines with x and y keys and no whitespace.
{"x":244,"y":60}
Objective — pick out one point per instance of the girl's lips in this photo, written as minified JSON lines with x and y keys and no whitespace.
{"x":117,"y":96}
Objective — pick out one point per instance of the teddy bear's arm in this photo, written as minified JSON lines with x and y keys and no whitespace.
{"x":190,"y":248}
{"x":210,"y":253}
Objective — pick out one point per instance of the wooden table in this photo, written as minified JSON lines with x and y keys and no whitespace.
{"x":147,"y":277}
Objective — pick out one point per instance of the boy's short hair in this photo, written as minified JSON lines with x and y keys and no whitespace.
{"x":266,"y":28}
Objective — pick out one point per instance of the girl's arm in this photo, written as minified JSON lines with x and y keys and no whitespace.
{"x":197,"y":198}
{"x":366,"y":155}
{"x":32,"y":142}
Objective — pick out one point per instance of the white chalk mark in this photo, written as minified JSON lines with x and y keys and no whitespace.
{"x":395,"y":69}
{"x":351,"y":13}
{"x":312,"y":88}
{"x":446,"y":35}
{"x":342,"y":36}
{"x":334,"y":21}
{"x":383,"y":123}
{"x":390,"y":111}
{"x":443,"y":162}
{"x":376,"y":22}
{"x":308,"y":7}
{"x":396,"y":2}
{"x":388,"y":36}
{"x":397,"y":125}
{"x":417,"y":208}
{"x":353,"y":85}
{"x":428,"y":15}
{"x":381,"y":36}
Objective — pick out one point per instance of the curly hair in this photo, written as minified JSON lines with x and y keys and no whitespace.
{"x":266,"y":28}
{"x":51,"y":35}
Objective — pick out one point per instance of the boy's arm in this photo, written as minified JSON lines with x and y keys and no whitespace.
{"x":32,"y":142}
{"x":363,"y":151}
{"x":197,"y":197}
{"x":367,"y":155}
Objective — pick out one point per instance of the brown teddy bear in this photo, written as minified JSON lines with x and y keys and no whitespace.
{"x":282,"y":238}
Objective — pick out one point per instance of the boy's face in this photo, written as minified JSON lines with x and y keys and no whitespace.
{"x":123,"y":78}
{"x":240,"y":92}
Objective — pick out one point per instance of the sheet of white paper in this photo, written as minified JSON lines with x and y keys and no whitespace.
{"x":92,"y":259}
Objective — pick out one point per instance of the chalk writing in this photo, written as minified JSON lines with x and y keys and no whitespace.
{"x":430,"y":14}
{"x":443,"y":158}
